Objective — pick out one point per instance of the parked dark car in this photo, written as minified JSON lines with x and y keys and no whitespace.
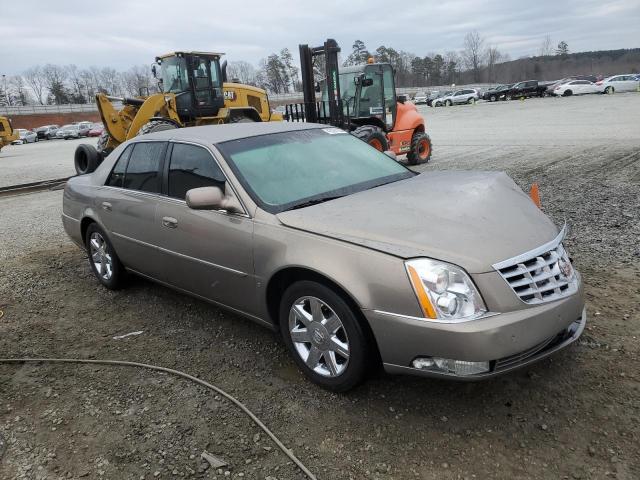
{"x":47,"y":132}
{"x":528,"y":88}
{"x":496,"y":93}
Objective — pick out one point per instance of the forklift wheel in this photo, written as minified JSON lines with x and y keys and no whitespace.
{"x":420,"y":149}
{"x":372,"y":135}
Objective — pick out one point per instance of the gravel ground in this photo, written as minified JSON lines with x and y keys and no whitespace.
{"x":575,"y":415}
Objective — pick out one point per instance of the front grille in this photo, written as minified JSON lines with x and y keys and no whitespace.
{"x":542,"y":275}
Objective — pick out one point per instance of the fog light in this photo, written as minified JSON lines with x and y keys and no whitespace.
{"x":450,"y":366}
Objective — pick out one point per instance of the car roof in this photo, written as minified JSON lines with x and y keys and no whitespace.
{"x":212,"y":134}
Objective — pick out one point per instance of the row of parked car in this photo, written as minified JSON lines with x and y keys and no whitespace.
{"x":51,"y":132}
{"x":575,"y":85}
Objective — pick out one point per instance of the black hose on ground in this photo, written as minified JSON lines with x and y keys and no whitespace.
{"x":177,"y":373}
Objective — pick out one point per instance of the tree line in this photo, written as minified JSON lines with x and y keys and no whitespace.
{"x":477,"y":62}
{"x":63,"y":84}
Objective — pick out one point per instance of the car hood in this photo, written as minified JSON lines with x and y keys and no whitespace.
{"x":471,"y":219}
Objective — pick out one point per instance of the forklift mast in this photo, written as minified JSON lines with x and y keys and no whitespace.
{"x":330,"y":52}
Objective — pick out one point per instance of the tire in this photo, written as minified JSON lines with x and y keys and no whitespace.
{"x":508,"y":97}
{"x":36,"y":140}
{"x":372,"y":135}
{"x":421,"y":149}
{"x":492,"y":98}
{"x":86,"y":159}
{"x":609,"y":90}
{"x":448,"y":103}
{"x":103,"y":260}
{"x":471,"y":101}
{"x":331,"y":341}
{"x":567,"y":93}
{"x":156,"y":126}
{"x":101,"y":146}
{"x":241,"y":119}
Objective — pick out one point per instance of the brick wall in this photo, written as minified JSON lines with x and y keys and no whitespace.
{"x":31,"y":121}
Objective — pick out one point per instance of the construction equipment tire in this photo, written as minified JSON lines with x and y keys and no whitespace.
{"x":372,"y":135}
{"x":421,"y":149}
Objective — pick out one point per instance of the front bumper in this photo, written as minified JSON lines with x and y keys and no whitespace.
{"x":507,"y":341}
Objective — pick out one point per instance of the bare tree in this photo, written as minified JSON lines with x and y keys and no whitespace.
{"x":243,"y":71}
{"x":473,"y":53}
{"x":546,"y":48}
{"x":36,"y":80}
{"x":137,"y":82}
{"x":18,"y":90}
{"x":494,"y":56}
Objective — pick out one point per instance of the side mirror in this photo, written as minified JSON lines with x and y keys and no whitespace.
{"x":211,"y":198}
{"x":391,"y":155}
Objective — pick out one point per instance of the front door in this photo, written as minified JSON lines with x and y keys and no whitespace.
{"x":206,"y":252}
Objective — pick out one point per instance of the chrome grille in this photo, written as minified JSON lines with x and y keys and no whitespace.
{"x":542,"y":275}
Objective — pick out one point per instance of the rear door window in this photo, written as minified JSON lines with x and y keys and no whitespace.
{"x":116,"y":177}
{"x":143,"y":169}
{"x":192,"y":167}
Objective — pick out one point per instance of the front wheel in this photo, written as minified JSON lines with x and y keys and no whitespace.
{"x":421,"y":149}
{"x":609,"y":90}
{"x":492,"y":98}
{"x":448,"y":103}
{"x":103,"y":260}
{"x":323,"y":335}
{"x":372,"y":135}
{"x":471,"y":101}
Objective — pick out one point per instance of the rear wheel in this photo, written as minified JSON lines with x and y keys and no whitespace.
{"x":448,"y":103}
{"x":492,"y":98}
{"x":471,"y":101}
{"x":567,"y":93}
{"x":609,"y":90}
{"x":420,"y":149}
{"x":372,"y":135}
{"x":323,"y":335}
{"x":103,"y":260}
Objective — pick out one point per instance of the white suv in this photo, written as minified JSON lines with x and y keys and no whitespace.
{"x":618,"y":83}
{"x":467,"y":95}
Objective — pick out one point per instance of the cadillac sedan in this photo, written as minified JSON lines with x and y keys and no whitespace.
{"x":348,"y":254}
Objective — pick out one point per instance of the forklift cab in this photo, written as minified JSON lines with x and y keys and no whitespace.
{"x":368,"y":91}
{"x":196,"y":80}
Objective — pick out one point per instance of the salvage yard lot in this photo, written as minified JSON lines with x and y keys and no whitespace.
{"x":573,"y":416}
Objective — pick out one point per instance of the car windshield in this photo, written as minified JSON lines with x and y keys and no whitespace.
{"x":287,"y":170}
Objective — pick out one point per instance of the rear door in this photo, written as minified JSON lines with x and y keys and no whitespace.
{"x":127,"y":205}
{"x":206,"y":252}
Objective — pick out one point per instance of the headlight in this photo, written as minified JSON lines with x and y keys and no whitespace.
{"x":444,"y":291}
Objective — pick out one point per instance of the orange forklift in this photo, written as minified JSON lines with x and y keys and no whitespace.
{"x":362,"y":100}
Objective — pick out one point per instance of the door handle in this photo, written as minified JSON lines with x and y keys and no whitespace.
{"x":106,"y":206}
{"x":169,"y":222}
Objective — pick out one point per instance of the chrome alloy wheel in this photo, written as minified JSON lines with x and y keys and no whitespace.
{"x":319,"y":336}
{"x":101,"y":258}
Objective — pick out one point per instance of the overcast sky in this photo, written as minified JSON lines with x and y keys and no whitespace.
{"x":121,"y":33}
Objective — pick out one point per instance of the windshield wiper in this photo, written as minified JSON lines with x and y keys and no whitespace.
{"x":315,"y":201}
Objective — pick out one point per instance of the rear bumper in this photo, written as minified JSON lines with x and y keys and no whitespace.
{"x":506,"y":340}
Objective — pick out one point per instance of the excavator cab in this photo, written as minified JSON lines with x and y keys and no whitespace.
{"x":195,"y":78}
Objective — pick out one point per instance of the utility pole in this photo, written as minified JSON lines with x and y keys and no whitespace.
{"x":6,"y":93}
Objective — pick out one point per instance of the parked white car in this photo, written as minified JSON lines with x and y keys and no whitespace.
{"x":467,"y":95}
{"x":618,"y":83}
{"x":575,"y":87}
{"x":26,"y":136}
{"x":420,"y":98}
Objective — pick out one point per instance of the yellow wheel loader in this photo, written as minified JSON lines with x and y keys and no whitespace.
{"x":193,"y":92}
{"x":7,"y":135}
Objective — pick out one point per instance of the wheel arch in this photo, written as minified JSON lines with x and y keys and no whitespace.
{"x":287,"y":276}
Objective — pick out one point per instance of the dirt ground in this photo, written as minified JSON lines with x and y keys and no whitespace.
{"x":575,"y":416}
